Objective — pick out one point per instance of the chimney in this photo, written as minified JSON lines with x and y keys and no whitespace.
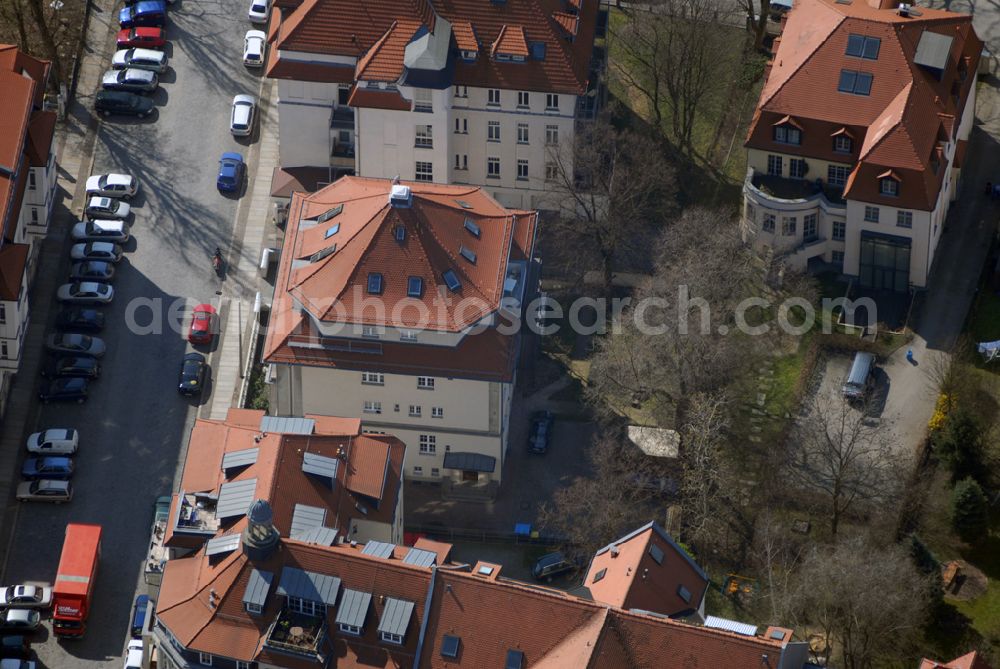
{"x":260,"y":537}
{"x":614,"y":551}
{"x":400,"y":197}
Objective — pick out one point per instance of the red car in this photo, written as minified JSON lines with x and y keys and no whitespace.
{"x":203,"y":328}
{"x":147,"y":38}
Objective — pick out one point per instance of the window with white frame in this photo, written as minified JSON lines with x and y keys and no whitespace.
{"x":493,"y":97}
{"x":461,"y":91}
{"x":843,"y":144}
{"x":408,"y":335}
{"x":889,"y":186}
{"x":389,"y":637}
{"x":522,"y":99}
{"x":205,"y":659}
{"x":551,"y":134}
{"x":493,"y":168}
{"x":462,"y":126}
{"x":424,"y":137}
{"x":437,"y":412}
{"x":371,"y":406}
{"x":774,"y":165}
{"x":418,"y":471}
{"x":838,"y":257}
{"x":435,"y":471}
{"x":871,"y":214}
{"x":551,"y":171}
{"x":428,"y":444}
{"x":253,"y":609}
{"x":352,"y":630}
{"x":767,"y":224}
{"x":425,"y":382}
{"x":904,"y":219}
{"x":370,"y":331}
{"x":306,"y":606}
{"x":4,"y":351}
{"x":788,"y":224}
{"x":242,"y":664}
{"x":839,"y":230}
{"x":787,"y":134}
{"x":3,"y":313}
{"x":797,"y":168}
{"x":493,"y":131}
{"x":31,"y":180}
{"x":461,"y":161}
{"x":522,"y":133}
{"x":422,"y":100}
{"x":551,"y":102}
{"x":415,"y":410}
{"x":373,"y":378}
{"x":837,"y":174}
{"x":522,"y":169}
{"x":34,"y":215}
{"x":424,"y":171}
{"x":809,"y":227}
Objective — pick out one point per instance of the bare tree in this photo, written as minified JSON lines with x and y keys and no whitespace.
{"x":867,"y":602}
{"x":836,"y":453}
{"x":12,"y":14}
{"x":613,"y":190}
{"x":756,"y":12}
{"x":776,"y":556}
{"x":46,"y":33}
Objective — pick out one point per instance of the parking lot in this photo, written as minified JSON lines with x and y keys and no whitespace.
{"x":134,"y":425}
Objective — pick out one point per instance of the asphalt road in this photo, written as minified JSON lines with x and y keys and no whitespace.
{"x":134,"y":426}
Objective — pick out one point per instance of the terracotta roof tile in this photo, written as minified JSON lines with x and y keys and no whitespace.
{"x":510,"y":42}
{"x":15,"y":110}
{"x":568,"y":22}
{"x":378,"y":99}
{"x":279,"y":67}
{"x":968,"y":661}
{"x":384,"y":61}
{"x":465,"y":36}
{"x":41,"y":130}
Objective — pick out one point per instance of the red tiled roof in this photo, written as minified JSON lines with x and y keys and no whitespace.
{"x":568,"y":22}
{"x":327,"y":73}
{"x":347,"y":27}
{"x":510,"y":42}
{"x":17,"y":62}
{"x":15,"y":109}
{"x":465,"y":36}
{"x":968,"y":661}
{"x":377,"y":99}
{"x":13,"y":260}
{"x":41,"y":130}
{"x":384,"y":61}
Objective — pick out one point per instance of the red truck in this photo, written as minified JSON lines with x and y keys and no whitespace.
{"x":75,"y":579}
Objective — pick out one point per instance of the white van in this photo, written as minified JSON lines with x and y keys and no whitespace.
{"x":861,"y":378}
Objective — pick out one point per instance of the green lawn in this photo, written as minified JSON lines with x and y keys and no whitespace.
{"x":984,"y":325}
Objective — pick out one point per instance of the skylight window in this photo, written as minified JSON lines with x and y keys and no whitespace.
{"x":332,"y":231}
{"x":860,"y":46}
{"x":451,"y":280}
{"x":414,"y":286}
{"x":375,"y":283}
{"x":852,"y":81}
{"x":450,"y":645}
{"x":322,"y":253}
{"x":463,"y":204}
{"x":599,"y":575}
{"x":472,"y":227}
{"x":468,"y":254}
{"x":327,"y":215}
{"x":400,"y":233}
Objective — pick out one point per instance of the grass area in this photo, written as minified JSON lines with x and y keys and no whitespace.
{"x":985,"y":322}
{"x":257,"y":393}
{"x":781,"y":397}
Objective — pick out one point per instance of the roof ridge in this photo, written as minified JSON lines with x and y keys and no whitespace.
{"x":373,"y":50}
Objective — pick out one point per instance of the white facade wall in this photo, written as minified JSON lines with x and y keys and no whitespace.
{"x":39,"y":198}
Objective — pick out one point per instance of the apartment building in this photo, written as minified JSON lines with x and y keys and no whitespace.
{"x":27,"y":194}
{"x":484,"y":93}
{"x":279,"y":603}
{"x":399,"y":303}
{"x":855,"y":150}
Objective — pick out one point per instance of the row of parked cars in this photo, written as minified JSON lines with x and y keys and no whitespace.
{"x":138,"y":62}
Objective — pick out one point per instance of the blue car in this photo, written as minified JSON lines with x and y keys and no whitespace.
{"x":145,"y":13}
{"x":47,"y":467}
{"x":231,"y":168}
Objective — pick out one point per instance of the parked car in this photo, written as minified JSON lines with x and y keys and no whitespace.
{"x":551,"y":565}
{"x":77,"y":344}
{"x":150,"y":13}
{"x":80,"y":318}
{"x":92,"y":270}
{"x":241,"y":119}
{"x":113,"y":185}
{"x":19,"y":620}
{"x":106,"y":207}
{"x":18,"y":663}
{"x":140,"y":609}
{"x":26,"y":597}
{"x":14,"y":648}
{"x":258,"y":11}
{"x":82,"y":366}
{"x":100,"y":231}
{"x":231,"y":167}
{"x":131,"y":79}
{"x":149,"y":38}
{"x":541,"y":431}
{"x":253,"y":48}
{"x":53,"y":467}
{"x":44,"y":491}
{"x":85,"y":292}
{"x":120,"y":102}
{"x":140,"y":59}
{"x":192,"y":374}
{"x":203,"y":324}
{"x":54,"y":441}
{"x":133,"y":654}
{"x":64,"y":390}
{"x":105,"y":251}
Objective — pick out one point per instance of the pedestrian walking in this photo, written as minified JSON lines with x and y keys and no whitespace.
{"x":909,"y":355}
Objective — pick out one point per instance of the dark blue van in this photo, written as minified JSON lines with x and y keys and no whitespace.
{"x":145,"y":13}
{"x":139,"y":612}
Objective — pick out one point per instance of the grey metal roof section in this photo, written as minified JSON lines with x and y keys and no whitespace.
{"x":235,"y":498}
{"x":730,"y":626}
{"x":933,"y":50}
{"x":306,"y":517}
{"x":309,"y":585}
{"x":420,"y":557}
{"x":321,"y":536}
{"x":257,"y":587}
{"x":237,"y":459}
{"x":353,"y":608}
{"x":226,"y":543}
{"x":378,"y":549}
{"x":473,"y":462}
{"x":395,"y":616}
{"x":320,"y":465}
{"x":287,"y":425}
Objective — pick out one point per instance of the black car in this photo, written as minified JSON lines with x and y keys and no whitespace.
{"x":80,"y":320}
{"x":15,"y":646}
{"x":92,"y":270}
{"x":551,"y":565}
{"x":192,"y":374}
{"x":72,"y":366}
{"x":120,"y":102}
{"x":541,"y":431}
{"x":65,"y":390}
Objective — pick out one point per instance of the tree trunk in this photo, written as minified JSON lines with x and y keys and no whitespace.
{"x":38,"y":14}
{"x":13,"y":12}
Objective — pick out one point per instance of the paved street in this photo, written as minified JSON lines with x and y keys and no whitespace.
{"x":134,"y":425}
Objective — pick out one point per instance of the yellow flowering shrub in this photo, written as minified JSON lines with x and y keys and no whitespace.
{"x":940,"y":413}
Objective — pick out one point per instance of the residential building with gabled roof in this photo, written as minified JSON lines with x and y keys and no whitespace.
{"x":400,"y":303}
{"x":971,"y":660}
{"x":856,"y":147}
{"x":27,"y":195}
{"x":447,"y":91}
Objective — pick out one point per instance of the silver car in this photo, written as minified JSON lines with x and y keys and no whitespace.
{"x":78,"y":344}
{"x":130,"y":79}
{"x":106,"y":251}
{"x":25,"y":597}
{"x":241,"y":118}
{"x":85,"y":292}
{"x":100,"y":231}
{"x":106,"y":207}
{"x":139,"y":59}
{"x":44,"y":490}
{"x":112,"y":185}
{"x":54,"y":441}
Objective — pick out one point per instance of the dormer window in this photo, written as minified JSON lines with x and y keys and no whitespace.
{"x":843,"y":143}
{"x":351,"y":630}
{"x":469,"y":56}
{"x":787,"y":134}
{"x":889,"y":186}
